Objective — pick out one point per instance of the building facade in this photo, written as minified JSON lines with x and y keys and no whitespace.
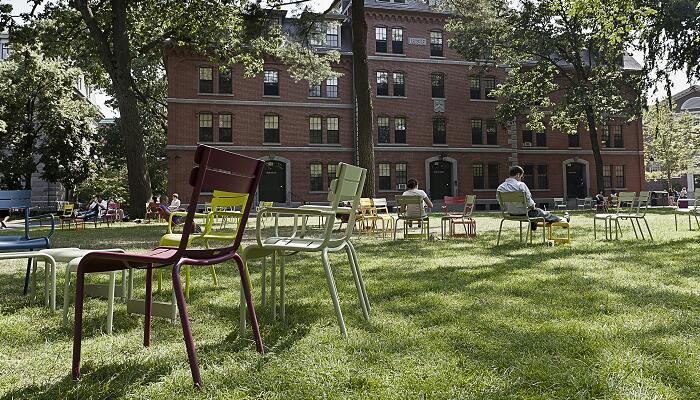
{"x":434,"y":120}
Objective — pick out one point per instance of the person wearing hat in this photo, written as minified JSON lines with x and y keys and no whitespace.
{"x":175,"y":203}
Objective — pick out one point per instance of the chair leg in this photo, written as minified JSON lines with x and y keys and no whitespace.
{"x":333,"y":292}
{"x":648,"y":229}
{"x":26,"y":276}
{"x":66,"y":295}
{"x":185,"y":321}
{"x":594,"y":228}
{"x":498,"y":240}
{"x":675,"y":218}
{"x":359,"y":275}
{"x":273,"y":286}
{"x":212,"y":269}
{"x":263,"y":282}
{"x":148,"y":307}
{"x":282,"y":284}
{"x":245,"y":283}
{"x":110,"y":301}
{"x":360,"y":294}
{"x":78,"y":328}
{"x":641,"y":231}
{"x":634,"y":228}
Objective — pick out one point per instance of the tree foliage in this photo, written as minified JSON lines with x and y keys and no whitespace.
{"x":671,"y":141}
{"x":45,"y":121}
{"x":564,"y":59}
{"x":120,"y":44}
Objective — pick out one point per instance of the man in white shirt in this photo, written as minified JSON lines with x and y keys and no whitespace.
{"x":96,"y":208}
{"x":412,"y":209}
{"x":175,"y":203}
{"x":514,"y":183}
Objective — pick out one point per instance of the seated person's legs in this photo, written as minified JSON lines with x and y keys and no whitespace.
{"x":548,"y":217}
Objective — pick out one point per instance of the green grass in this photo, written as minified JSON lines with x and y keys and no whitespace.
{"x":450,"y":319}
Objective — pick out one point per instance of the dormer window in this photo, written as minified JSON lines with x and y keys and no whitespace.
{"x":333,"y":35}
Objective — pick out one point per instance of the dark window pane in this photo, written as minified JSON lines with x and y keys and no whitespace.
{"x":314,"y":90}
{"x":383,"y":129}
{"x":401,"y":174}
{"x":225,"y":128}
{"x":271,"y":83}
{"x":380,"y":39}
{"x":491,"y":132}
{"x":542,"y":177}
{"x":494,"y":179}
{"x":489,"y":85}
{"x":384,"y":176}
{"x":382,"y":83}
{"x":272,"y":129}
{"x":397,"y":40}
{"x":399,"y":85}
{"x":225,"y":82}
{"x":477,"y":132}
{"x":575,"y":140}
{"x":436,"y":49}
{"x":332,"y":168}
{"x":333,"y":130}
{"x":474,"y":87}
{"x":315,"y":130}
{"x":529,"y":177}
{"x":478,"y":175}
{"x":616,"y":131}
{"x":439,"y":131}
{"x":206,"y":130}
{"x":206,"y":80}
{"x":399,"y":130}
{"x":438,"y":85}
{"x":316,"y":177}
{"x":541,"y":139}
{"x":527,"y":137}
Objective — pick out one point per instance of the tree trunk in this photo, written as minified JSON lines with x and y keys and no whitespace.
{"x":363,"y":96}
{"x":595,"y":147}
{"x":116,"y":59}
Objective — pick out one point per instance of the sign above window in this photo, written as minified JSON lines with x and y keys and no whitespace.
{"x":418,"y":41}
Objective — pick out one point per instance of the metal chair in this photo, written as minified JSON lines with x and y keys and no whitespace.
{"x":465,"y":218}
{"x":623,"y":203}
{"x":638,"y":213}
{"x":559,"y":203}
{"x":410,"y":209}
{"x":347,"y":187}
{"x":691,"y":211}
{"x":514,"y":208}
{"x":216,"y":169}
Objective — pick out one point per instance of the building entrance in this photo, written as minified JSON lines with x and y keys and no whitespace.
{"x":440,"y":179}
{"x":576,"y":185}
{"x":273,"y":184}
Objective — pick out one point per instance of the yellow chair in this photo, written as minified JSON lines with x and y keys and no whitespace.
{"x":381,"y":213}
{"x":67,"y":215}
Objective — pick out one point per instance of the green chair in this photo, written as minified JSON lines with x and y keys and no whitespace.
{"x":638,"y":213}
{"x":514,"y":208}
{"x":623,"y":204}
{"x":346,"y":188}
{"x":410,"y":209}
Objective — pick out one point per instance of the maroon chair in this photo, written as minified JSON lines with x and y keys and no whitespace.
{"x":216,"y":169}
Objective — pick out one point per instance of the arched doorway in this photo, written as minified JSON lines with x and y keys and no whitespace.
{"x":576,"y":180}
{"x":440,"y":179}
{"x":273,"y":184}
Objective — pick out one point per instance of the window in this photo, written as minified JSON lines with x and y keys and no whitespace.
{"x":384,"y":176}
{"x":399,"y":130}
{"x":607,"y":177}
{"x":437,"y":81}
{"x":436,"y":49}
{"x":491,"y":132}
{"x":332,"y":87}
{"x":225,"y":128}
{"x":575,"y":140}
{"x":382,"y":83}
{"x":225,"y":81}
{"x":541,"y":139}
{"x":271,"y":83}
{"x":315,"y":38}
{"x":529,"y":177}
{"x":439,"y":131}
{"x":399,"y":86}
{"x":315,"y":135}
{"x":478,"y":175}
{"x":206,"y":131}
{"x":542,"y":177}
{"x":272,"y":129}
{"x":619,"y":172}
{"x":333,"y":130}
{"x":489,"y":85}
{"x":316,"y":177}
{"x":380,"y":39}
{"x":474,"y":87}
{"x":397,"y":40}
{"x":206,"y":81}
{"x":332,"y":34}
{"x":612,"y":136}
{"x":314,"y":90}
{"x":383,"y":129}
{"x":494,"y":179}
{"x":527,"y":138}
{"x":401,"y":175}
{"x":332,"y":169}
{"x":4,"y":50}
{"x":477,"y":132}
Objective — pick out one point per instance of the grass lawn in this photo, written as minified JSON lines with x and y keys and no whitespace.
{"x":451,"y":319}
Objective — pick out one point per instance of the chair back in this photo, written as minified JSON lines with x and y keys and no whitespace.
{"x":626,"y":202}
{"x":512,"y":204}
{"x":347,"y":187}
{"x":265,"y":204}
{"x":68,"y":209}
{"x":451,"y":201}
{"x":21,"y":199}
{"x":643,"y":202}
{"x":404,"y":201}
{"x":469,"y":204}
{"x":380,"y":204}
{"x":558,"y":200}
{"x":233,"y":177}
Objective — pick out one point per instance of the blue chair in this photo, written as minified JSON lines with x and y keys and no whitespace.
{"x":22,"y":199}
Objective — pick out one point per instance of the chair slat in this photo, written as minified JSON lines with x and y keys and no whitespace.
{"x":15,"y":199}
{"x":227,"y":182}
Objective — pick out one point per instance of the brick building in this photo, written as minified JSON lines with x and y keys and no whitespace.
{"x":433,"y":119}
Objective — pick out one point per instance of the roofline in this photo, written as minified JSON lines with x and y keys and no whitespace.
{"x":690,"y":89}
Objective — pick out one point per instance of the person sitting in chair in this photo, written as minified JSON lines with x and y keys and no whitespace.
{"x":412,"y":209}
{"x":175,"y":203}
{"x":95,"y":209}
{"x":514,"y":183}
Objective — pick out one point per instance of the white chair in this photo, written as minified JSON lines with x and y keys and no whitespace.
{"x":559,"y":203}
{"x":638,"y":213}
{"x":691,"y":211}
{"x":622,"y":204}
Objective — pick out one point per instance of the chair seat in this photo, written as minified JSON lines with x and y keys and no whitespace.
{"x":68,"y":254}
{"x":22,"y":244}
{"x":173,"y":239}
{"x":298,"y":244}
{"x":455,"y":216}
{"x":605,"y":216}
{"x":217,"y":235}
{"x":97,"y":261}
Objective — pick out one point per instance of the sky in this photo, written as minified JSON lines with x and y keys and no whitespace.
{"x":679,"y":79}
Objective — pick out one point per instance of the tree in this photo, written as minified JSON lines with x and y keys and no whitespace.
{"x":45,"y":121}
{"x":113,"y":38}
{"x":564,"y":60}
{"x":671,"y":37}
{"x":671,"y":140}
{"x":363,"y":93}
